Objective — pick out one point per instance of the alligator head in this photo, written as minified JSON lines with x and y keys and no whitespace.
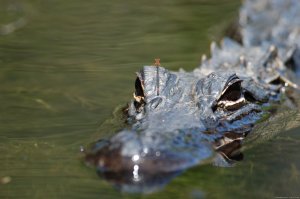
{"x":181,"y":119}
{"x":168,"y":101}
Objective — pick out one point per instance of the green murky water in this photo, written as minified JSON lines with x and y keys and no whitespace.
{"x":66,"y":65}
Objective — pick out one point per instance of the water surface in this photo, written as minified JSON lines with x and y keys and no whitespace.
{"x":65,"y":66}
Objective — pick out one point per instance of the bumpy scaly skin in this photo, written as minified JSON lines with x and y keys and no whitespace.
{"x":213,"y":107}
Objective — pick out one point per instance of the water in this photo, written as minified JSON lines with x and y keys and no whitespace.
{"x":66,"y":66}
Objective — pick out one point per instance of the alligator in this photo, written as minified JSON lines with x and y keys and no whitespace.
{"x":182,"y":119}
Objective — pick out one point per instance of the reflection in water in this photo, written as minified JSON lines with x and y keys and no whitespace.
{"x":146,"y":173}
{"x":138,"y":182}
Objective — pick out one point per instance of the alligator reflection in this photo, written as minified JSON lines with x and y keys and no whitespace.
{"x":140,"y":180}
{"x":138,"y":183}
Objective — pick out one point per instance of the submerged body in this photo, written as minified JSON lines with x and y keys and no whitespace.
{"x":181,"y":119}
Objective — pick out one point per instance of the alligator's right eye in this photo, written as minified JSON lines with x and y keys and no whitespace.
{"x":231,"y":97}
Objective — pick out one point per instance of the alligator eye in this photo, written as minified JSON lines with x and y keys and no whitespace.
{"x":139,"y":94}
{"x":231,"y":92}
{"x":231,"y":98}
{"x":139,"y":91}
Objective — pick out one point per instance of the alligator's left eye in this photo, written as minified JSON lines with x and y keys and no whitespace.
{"x":139,"y":90}
{"x":138,"y":95}
{"x":231,"y":97}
